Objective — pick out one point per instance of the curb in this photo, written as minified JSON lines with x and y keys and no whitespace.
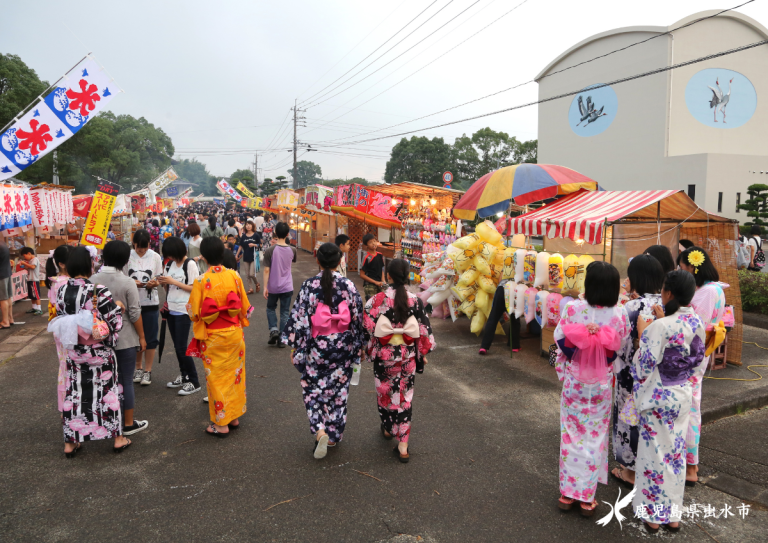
{"x":756,"y":400}
{"x":758,"y":320}
{"x":739,"y":488}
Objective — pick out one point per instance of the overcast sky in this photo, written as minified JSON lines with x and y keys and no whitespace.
{"x":220,"y":77}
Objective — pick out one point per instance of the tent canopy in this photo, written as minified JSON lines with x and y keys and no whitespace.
{"x":583,"y":215}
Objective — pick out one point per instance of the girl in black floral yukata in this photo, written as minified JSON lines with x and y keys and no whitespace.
{"x":91,"y":407}
{"x":325,"y":329}
{"x":399,"y":337}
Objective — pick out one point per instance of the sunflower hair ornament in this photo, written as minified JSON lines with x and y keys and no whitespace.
{"x":696,"y":259}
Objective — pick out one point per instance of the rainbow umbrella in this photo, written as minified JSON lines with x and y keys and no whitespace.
{"x":525,"y":183}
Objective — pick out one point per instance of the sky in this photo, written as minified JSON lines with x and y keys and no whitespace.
{"x":220,"y":77}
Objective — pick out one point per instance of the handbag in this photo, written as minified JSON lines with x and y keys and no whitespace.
{"x":100,"y":330}
{"x":552,"y":355}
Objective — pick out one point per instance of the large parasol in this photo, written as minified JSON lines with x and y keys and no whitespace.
{"x":525,"y":183}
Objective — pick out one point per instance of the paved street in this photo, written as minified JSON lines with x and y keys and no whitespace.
{"x":484,"y":457}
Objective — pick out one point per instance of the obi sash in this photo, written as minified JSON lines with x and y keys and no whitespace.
{"x":325,"y":323}
{"x":223,"y":316}
{"x":387,"y":335}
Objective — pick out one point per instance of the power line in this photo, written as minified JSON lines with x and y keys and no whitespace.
{"x":572,"y":93}
{"x":532,"y":80}
{"x":372,"y":52}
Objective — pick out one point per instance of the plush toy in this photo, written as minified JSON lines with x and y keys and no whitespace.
{"x":530,"y":304}
{"x":542,"y":270}
{"x":553,"y":309}
{"x":541,"y":307}
{"x":556,"y":271}
{"x":519,"y":265}
{"x":529,"y":267}
{"x":520,"y":299}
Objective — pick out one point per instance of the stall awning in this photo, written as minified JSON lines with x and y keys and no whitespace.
{"x":365,"y":217}
{"x":583,"y":215}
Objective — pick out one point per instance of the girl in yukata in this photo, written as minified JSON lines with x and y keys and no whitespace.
{"x":326,"y":332}
{"x":671,"y":350}
{"x":644,"y":281}
{"x":399,"y":338}
{"x":709,"y":305}
{"x":589,"y":335}
{"x":91,"y":406}
{"x":56,"y":277}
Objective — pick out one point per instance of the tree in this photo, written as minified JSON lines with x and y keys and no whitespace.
{"x":527,"y":152}
{"x":307,"y":173}
{"x":19,"y":86}
{"x":756,"y":205}
{"x":340,"y":182}
{"x":196,"y":172}
{"x":419,"y":160}
{"x":244,"y":176}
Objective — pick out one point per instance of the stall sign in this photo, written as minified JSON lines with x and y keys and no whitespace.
{"x":172,"y":192}
{"x":80,"y":206}
{"x":288,"y":199}
{"x":19,"y":285}
{"x":254,"y":203}
{"x":242,"y":188}
{"x":168,"y":203}
{"x":186,"y":192}
{"x":319,"y":197}
{"x":344,"y":196}
{"x":122,"y":205}
{"x":163,"y":180}
{"x":138,"y":203}
{"x":184,"y":201}
{"x":227,"y":189}
{"x":159,"y":205}
{"x":96,"y":224}
{"x":380,"y":205}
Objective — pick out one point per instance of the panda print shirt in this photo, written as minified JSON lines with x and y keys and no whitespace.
{"x":143,"y":269}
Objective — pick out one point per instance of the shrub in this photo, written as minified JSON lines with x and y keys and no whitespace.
{"x":745,"y":228}
{"x":754,"y":291}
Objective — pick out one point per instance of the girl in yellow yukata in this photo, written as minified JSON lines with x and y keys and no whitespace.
{"x":219,"y":309}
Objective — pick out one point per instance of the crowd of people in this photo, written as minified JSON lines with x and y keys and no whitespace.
{"x":631,"y":354}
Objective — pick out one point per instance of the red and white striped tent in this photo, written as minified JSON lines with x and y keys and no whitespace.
{"x":584,"y":215}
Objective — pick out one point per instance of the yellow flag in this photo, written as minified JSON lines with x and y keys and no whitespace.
{"x":96,"y":224}
{"x":242,"y":188}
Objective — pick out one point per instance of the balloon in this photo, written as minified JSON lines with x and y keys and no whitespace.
{"x":541,"y":307}
{"x":488,"y":232}
{"x":556,"y":271}
{"x":584,"y":261}
{"x":542,"y":270}
{"x":519,"y":265}
{"x":570,"y":273}
{"x":565,"y":301}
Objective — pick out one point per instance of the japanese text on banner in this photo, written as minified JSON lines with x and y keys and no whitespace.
{"x":100,"y":215}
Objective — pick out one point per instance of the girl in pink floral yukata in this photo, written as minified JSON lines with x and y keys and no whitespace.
{"x":588,"y":335}
{"x":399,"y":337}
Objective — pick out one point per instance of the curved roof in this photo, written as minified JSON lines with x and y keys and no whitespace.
{"x":748,"y":21}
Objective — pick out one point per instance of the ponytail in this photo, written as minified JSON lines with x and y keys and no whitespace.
{"x":398,"y":270}
{"x":328,"y":256}
{"x":682,"y":286}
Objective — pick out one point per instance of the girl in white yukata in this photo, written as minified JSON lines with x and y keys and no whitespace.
{"x":588,"y":335}
{"x":671,"y":349}
{"x":709,"y":305}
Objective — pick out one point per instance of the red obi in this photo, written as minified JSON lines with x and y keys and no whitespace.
{"x":224,"y":316}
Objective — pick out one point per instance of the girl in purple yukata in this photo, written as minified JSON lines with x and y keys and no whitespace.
{"x":399,"y":337}
{"x":326,"y":332}
{"x":709,"y":304}
{"x":671,"y":349}
{"x":589,"y":334}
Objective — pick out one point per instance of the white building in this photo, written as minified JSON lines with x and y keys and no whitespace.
{"x":699,"y":128}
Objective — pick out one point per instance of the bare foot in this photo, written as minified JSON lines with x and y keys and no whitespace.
{"x":69,"y":447}
{"x":120,"y":441}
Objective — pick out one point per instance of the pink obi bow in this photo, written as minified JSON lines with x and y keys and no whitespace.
{"x":590,"y":362}
{"x":325,"y":323}
{"x":384,"y":330}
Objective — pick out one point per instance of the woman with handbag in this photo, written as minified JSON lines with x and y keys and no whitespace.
{"x":399,"y":338}
{"x":87,"y":322}
{"x":709,"y":304}
{"x":588,"y":336}
{"x":325,"y":330}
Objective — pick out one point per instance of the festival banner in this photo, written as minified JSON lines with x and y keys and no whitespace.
{"x":319,"y":198}
{"x":162,"y":181}
{"x":172,"y":192}
{"x":86,"y":90}
{"x":159,"y":205}
{"x":186,"y":193}
{"x":184,"y":201}
{"x":254,"y":203}
{"x":227,"y":189}
{"x":100,"y":215}
{"x":168,"y":203}
{"x":122,"y":205}
{"x":288,"y":199}
{"x":219,"y":201}
{"x":242,"y":188}
{"x":81,"y":205}
{"x":138,"y":203}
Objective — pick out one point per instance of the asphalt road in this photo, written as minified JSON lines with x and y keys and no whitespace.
{"x":484,"y":457}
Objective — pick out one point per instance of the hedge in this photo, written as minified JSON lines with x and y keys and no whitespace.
{"x":754,"y":291}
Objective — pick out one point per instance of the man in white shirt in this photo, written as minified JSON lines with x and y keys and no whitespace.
{"x":258,"y":221}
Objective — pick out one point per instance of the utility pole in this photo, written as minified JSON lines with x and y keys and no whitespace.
{"x":55,"y":168}
{"x":256,"y":171}
{"x":296,"y":121}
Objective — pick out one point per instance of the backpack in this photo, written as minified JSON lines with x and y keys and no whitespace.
{"x":743,"y":253}
{"x":759,"y":254}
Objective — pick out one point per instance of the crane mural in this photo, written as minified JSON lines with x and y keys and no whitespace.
{"x":588,"y":111}
{"x":593,"y":110}
{"x":719,"y":100}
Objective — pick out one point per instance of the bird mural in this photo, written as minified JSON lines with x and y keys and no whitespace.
{"x":719,"y":100}
{"x":588,"y":112}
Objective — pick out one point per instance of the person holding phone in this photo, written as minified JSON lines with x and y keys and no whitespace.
{"x":250,"y":242}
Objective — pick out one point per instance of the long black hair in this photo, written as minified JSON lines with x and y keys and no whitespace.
{"x":646,"y":276}
{"x":55,"y":263}
{"x":682,"y":286}
{"x":663,"y":255}
{"x":398,"y":271}
{"x":328,"y":256}
{"x":705,"y":271}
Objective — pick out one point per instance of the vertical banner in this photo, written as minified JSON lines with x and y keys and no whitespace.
{"x":227,"y":190}
{"x":100,"y":215}
{"x":138,"y":203}
{"x":242,"y":188}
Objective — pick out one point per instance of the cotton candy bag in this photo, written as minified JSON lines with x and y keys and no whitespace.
{"x":541,"y":307}
{"x":520,"y":300}
{"x":553,"y":309}
{"x":519,"y":265}
{"x":556,"y":271}
{"x":530,"y":304}
{"x":542,"y":270}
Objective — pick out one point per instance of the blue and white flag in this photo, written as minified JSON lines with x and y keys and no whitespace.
{"x":84,"y":91}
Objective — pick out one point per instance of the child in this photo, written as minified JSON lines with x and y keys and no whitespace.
{"x":236,"y":249}
{"x":373,"y":267}
{"x":342,"y":241}
{"x":32,"y":264}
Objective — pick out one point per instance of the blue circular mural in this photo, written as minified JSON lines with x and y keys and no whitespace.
{"x":720,"y":98}
{"x":593,"y":110}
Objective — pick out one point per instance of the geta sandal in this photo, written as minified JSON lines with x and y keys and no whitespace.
{"x":566,"y":504}
{"x":215,"y":433}
{"x":587,"y":509}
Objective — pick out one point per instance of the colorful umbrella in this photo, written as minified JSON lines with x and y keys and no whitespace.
{"x":525,"y":183}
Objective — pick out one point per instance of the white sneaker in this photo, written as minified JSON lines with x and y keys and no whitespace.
{"x":176,"y":383}
{"x":137,"y":375}
{"x":205,"y":399}
{"x":187,"y":389}
{"x":146,"y":379}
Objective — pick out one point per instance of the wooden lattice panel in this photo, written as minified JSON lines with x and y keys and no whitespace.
{"x":717,"y":239}
{"x":357,"y":229}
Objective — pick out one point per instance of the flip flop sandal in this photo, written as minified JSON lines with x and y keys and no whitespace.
{"x":386,"y":434}
{"x":214,"y":432}
{"x":650,"y":529}
{"x":566,"y":504}
{"x":118,"y":450}
{"x":233,"y":427}
{"x":691,"y":483}
{"x":587,"y":509}
{"x":672,"y":529}
{"x":73,"y":452}
{"x":621,"y":478}
{"x":404,"y":458}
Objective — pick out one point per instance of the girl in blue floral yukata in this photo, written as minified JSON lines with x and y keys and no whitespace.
{"x":671,"y":349}
{"x":325,"y":330}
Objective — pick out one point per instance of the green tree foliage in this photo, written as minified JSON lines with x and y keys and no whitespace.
{"x":196,"y":172}
{"x":756,"y":204}
{"x":340,"y":182}
{"x":307,"y":173}
{"x":19,"y":86}
{"x":419,"y":160}
{"x":244,"y":176}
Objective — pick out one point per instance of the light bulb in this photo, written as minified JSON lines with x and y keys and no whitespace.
{"x":500,"y":214}
{"x":413,"y":202}
{"x":433,"y":201}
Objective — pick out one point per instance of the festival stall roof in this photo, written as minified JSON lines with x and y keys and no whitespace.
{"x":411,"y":190}
{"x":584,"y":215}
